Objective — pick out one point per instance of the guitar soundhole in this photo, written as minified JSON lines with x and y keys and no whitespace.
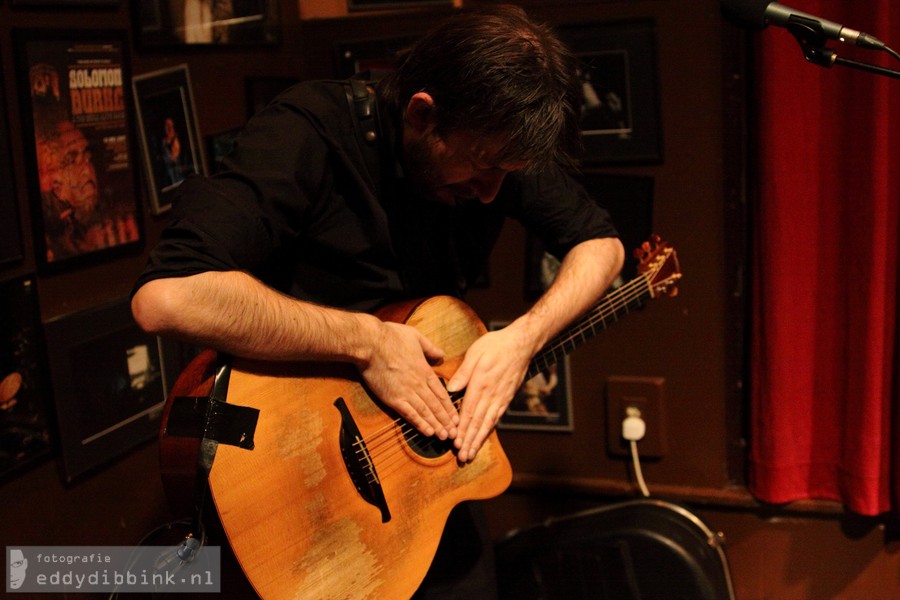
{"x":430,"y":447}
{"x":427,"y":447}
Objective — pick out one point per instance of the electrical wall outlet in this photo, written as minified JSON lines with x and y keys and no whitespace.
{"x":647,"y":395}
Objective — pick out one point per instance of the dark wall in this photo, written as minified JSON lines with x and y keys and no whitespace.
{"x":692,"y":341}
{"x":682,"y":340}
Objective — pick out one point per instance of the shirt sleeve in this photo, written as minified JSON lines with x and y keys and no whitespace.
{"x":242,"y":218}
{"x":556,"y":208}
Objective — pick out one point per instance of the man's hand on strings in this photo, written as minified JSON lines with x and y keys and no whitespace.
{"x":491,"y":373}
{"x":399,"y":373}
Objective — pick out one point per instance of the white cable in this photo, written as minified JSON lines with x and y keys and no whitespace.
{"x":637,"y":469}
{"x":633,"y":429}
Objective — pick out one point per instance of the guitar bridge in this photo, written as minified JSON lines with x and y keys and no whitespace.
{"x":359,"y":463}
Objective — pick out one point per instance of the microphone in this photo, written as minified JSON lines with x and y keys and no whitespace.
{"x":757,"y":14}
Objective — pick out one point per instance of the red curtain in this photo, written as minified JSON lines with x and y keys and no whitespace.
{"x":825,"y":350}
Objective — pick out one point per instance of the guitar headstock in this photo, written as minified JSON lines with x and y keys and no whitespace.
{"x":658,"y":263}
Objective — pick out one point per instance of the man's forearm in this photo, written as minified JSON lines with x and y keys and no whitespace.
{"x":235,"y":313}
{"x":584,"y":275}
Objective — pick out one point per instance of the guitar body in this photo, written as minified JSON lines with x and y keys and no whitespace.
{"x":291,"y":508}
{"x":339,"y":498}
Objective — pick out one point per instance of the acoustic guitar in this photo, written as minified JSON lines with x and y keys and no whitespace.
{"x":339,"y":498}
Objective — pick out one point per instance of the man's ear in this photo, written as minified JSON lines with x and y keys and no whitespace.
{"x":419,"y":113}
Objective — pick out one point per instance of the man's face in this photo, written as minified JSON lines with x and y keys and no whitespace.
{"x":457,"y":167}
{"x":67,"y":171}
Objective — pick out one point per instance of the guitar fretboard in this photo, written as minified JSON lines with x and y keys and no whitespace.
{"x":614,"y":305}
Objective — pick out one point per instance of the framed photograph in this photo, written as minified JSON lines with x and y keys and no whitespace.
{"x":629,"y":200}
{"x":25,"y":436}
{"x":379,"y":4}
{"x":107,"y":383}
{"x":169,"y":132}
{"x":262,"y":90}
{"x":10,"y":232}
{"x":79,"y":144}
{"x":375,"y":57}
{"x":219,"y":145}
{"x":620,"y":120}
{"x":556,"y":2}
{"x":168,"y":23}
{"x":544,"y":402}
{"x":66,"y":3}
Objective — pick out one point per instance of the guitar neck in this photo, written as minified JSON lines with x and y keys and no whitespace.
{"x":614,"y":305}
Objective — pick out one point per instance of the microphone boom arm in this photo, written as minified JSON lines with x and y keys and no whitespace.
{"x":809,"y":34}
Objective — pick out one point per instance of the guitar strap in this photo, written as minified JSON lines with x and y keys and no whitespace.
{"x":429,"y":265}
{"x":213,"y":421}
{"x":362,"y":107}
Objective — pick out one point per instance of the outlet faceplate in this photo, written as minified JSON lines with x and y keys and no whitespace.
{"x":647,"y":395}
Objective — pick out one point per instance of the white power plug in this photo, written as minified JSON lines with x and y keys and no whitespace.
{"x":634,"y":428}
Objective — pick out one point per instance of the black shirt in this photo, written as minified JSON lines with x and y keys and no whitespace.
{"x":304,"y":206}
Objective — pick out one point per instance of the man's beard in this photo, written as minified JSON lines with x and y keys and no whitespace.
{"x":421,"y":170}
{"x":427,"y":181}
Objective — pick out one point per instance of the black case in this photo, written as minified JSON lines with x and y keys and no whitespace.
{"x":642,"y":549}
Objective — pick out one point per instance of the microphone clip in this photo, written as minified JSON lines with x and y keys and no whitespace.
{"x":812,"y":39}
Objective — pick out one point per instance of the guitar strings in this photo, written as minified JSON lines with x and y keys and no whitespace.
{"x":610,"y":307}
{"x":620,"y":298}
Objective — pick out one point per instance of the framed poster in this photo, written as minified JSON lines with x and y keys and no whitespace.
{"x":10,"y":232}
{"x":543,"y":402}
{"x":168,"y":23}
{"x":620,"y":122}
{"x":79,"y":144}
{"x":107,"y":383}
{"x":24,"y":400}
{"x":169,"y":132}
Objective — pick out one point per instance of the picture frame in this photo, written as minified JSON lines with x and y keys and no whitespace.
{"x":545,"y":3}
{"x":544,"y":402}
{"x":25,"y":418}
{"x":357,"y":5}
{"x":108,"y":388}
{"x":167,"y":24}
{"x":629,"y":200}
{"x":219,"y":145}
{"x":620,"y":121}
{"x":76,"y":98}
{"x":168,"y":131}
{"x":66,"y":3}
{"x":374,"y":57}
{"x":11,"y":250}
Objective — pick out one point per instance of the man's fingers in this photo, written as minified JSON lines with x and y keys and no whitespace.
{"x":445,"y":408}
{"x":414,"y":418}
{"x":432,"y":405}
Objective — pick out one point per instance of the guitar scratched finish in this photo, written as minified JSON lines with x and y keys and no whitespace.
{"x":293,"y":517}
{"x":290,"y":509}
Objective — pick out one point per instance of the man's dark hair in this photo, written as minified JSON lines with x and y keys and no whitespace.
{"x":496,"y":72}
